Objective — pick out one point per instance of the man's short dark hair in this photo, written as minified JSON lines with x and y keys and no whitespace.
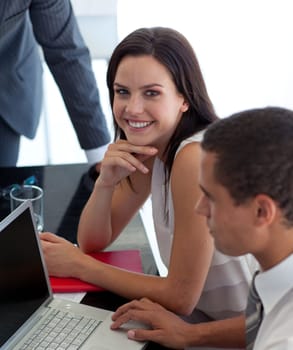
{"x":254,"y":151}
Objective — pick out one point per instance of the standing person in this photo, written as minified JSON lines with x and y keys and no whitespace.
{"x":161,"y":108}
{"x":51,"y":24}
{"x":246,"y":177}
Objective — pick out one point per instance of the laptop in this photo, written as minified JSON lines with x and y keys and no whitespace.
{"x":28,"y":306}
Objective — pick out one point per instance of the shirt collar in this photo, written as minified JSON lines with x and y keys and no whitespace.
{"x":274,"y":283}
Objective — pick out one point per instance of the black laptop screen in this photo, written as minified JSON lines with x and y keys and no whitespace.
{"x":23,"y":285}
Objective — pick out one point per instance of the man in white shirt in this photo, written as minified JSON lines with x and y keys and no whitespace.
{"x":247,"y":180}
{"x":246,"y":175}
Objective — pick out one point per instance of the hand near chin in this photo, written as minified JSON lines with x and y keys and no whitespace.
{"x":165,"y":327}
{"x":122,"y":159}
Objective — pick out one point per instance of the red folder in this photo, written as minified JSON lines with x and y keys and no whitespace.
{"x":125,"y":259}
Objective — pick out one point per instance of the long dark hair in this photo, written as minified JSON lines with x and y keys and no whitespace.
{"x":172,"y":50}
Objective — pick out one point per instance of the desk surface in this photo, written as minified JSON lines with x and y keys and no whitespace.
{"x":66,"y":190}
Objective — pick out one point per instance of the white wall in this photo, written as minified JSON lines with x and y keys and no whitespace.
{"x":244,"y":46}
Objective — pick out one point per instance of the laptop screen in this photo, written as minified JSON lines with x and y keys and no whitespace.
{"x":23,"y":284}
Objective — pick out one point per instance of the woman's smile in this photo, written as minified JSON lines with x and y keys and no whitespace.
{"x":138,"y":124}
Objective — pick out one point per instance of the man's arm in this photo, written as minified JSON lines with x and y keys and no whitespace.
{"x":229,"y":333}
{"x":171,"y":331}
{"x":68,"y":58}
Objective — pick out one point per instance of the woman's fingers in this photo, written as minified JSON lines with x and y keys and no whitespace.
{"x":131,"y":156}
{"x":122,"y":159}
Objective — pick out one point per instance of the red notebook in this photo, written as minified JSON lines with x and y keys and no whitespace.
{"x":125,"y":259}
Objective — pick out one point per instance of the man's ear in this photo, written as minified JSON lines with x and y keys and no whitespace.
{"x":266,"y":209}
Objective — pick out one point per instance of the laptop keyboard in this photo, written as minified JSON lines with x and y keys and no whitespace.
{"x":61,"y":330}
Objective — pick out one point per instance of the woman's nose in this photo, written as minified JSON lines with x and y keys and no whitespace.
{"x":134,"y":105}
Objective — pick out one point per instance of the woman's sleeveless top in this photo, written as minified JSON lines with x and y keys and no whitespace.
{"x":226,"y":288}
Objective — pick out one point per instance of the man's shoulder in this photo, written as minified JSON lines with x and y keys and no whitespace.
{"x":277,"y":325}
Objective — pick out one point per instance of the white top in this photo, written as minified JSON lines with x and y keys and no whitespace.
{"x":227,"y":285}
{"x":275,"y":288}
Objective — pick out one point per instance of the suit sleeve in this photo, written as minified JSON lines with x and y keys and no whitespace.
{"x":67,"y":56}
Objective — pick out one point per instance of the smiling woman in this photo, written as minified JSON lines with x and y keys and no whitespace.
{"x":232,"y":54}
{"x":148,"y":108}
{"x":160,"y":108}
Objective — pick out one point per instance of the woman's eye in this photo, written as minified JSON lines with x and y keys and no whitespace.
{"x":121,"y":91}
{"x":151,"y":93}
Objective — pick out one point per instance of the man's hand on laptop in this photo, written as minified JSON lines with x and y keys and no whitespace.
{"x":166,"y":329}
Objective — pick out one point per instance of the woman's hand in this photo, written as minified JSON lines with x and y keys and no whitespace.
{"x":61,"y":256}
{"x":122,"y":159}
{"x":166,"y":328}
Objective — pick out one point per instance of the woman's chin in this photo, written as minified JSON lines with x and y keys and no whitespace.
{"x":137,"y":140}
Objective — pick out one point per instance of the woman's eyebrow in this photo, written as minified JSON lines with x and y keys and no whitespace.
{"x":147,"y":86}
{"x":118,"y":85}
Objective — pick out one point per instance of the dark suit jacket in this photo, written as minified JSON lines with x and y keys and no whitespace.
{"x":51,"y":24}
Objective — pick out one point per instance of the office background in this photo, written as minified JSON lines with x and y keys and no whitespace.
{"x":244,"y":48}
